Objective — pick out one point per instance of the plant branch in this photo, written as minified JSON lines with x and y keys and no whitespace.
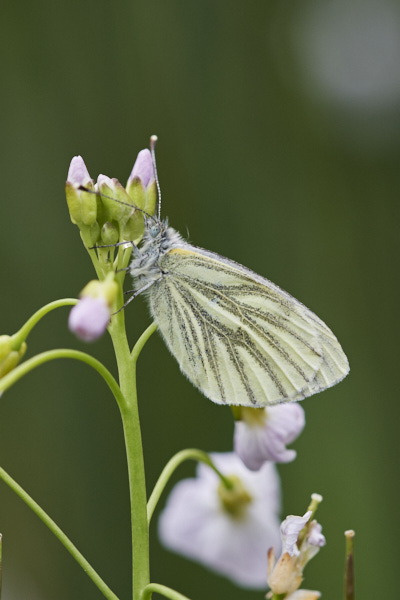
{"x":21,"y":335}
{"x":60,"y":535}
{"x":163,"y":590}
{"x":8,"y":380}
{"x":172,"y":464}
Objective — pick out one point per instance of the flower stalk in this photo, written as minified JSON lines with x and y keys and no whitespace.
{"x":60,"y":535}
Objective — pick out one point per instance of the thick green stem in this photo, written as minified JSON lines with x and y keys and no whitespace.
{"x":134,"y":453}
{"x":60,"y":535}
{"x":8,"y":380}
{"x":172,"y":464}
{"x":163,"y":590}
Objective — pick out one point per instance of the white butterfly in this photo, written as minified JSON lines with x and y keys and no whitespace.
{"x":238,"y":337}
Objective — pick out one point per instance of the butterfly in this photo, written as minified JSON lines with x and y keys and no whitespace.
{"x":238,"y":337}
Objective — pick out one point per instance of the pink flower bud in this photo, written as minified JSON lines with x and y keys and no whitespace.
{"x":143,"y":168}
{"x":89,"y":318}
{"x":78,"y":174}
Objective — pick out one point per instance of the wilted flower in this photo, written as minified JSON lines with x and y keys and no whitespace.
{"x":225,"y":529}
{"x":285,"y":576}
{"x":262,"y":434}
{"x":90,"y":317}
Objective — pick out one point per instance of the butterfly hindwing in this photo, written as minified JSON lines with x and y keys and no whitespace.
{"x":238,"y":337}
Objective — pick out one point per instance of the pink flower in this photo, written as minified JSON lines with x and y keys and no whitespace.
{"x":89,"y":318}
{"x":262,"y":434}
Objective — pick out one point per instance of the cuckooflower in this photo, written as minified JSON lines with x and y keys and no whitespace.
{"x":226,"y":529}
{"x":262,"y":434}
{"x":89,"y":318}
{"x":143,"y":168}
{"x":82,"y":205}
{"x":285,"y":575}
{"x":141,"y":184}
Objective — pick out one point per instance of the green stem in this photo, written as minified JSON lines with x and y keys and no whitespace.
{"x":163,"y":590}
{"x":172,"y":464}
{"x":8,"y":380}
{"x":60,"y":535}
{"x":349,"y":567}
{"x":21,"y":335}
{"x":134,"y":450}
{"x":142,"y":340}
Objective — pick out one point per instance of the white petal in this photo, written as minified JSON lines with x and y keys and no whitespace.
{"x":315,"y":536}
{"x":265,"y":439}
{"x":194,"y":523}
{"x":290,"y":529}
{"x":304,"y":595}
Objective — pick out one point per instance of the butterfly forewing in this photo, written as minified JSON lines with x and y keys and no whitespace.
{"x":238,"y":337}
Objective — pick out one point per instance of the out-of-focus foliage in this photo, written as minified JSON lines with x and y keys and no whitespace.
{"x":279,"y":138}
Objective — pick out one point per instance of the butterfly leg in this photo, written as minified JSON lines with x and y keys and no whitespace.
{"x":134,"y":294}
{"x":136,"y":251}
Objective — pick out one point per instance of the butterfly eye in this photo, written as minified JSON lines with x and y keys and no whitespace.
{"x":154,"y":231}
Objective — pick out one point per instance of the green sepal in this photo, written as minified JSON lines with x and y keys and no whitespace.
{"x":115,"y":211}
{"x":106,"y":289}
{"x":136,"y":192}
{"x":6,"y":345}
{"x":82,"y":205}
{"x":11,"y":360}
{"x":133,"y":229}
{"x":151,"y":198}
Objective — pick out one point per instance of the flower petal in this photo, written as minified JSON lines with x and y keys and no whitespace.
{"x":194,"y":523}
{"x":290,"y":529}
{"x":89,"y":318}
{"x":78,"y":174}
{"x":143,"y":168}
{"x":265,"y":439}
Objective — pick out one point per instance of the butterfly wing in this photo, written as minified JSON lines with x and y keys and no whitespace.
{"x":238,"y":337}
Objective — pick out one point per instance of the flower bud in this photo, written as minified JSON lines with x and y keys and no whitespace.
{"x":133,"y":229}
{"x":141,"y":185}
{"x":110,"y":191}
{"x":9,"y":356}
{"x":109,"y":234}
{"x":89,"y":319}
{"x":92,"y":234}
{"x":82,"y":205}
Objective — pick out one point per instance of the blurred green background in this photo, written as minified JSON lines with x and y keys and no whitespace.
{"x":279,"y":139}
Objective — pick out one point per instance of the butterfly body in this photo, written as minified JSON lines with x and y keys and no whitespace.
{"x":237,"y":336}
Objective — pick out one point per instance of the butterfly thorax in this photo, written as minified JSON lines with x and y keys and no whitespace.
{"x":158,"y":239}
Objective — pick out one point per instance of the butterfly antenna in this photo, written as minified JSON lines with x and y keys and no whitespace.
{"x":82,"y":188}
{"x":153,"y":141}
